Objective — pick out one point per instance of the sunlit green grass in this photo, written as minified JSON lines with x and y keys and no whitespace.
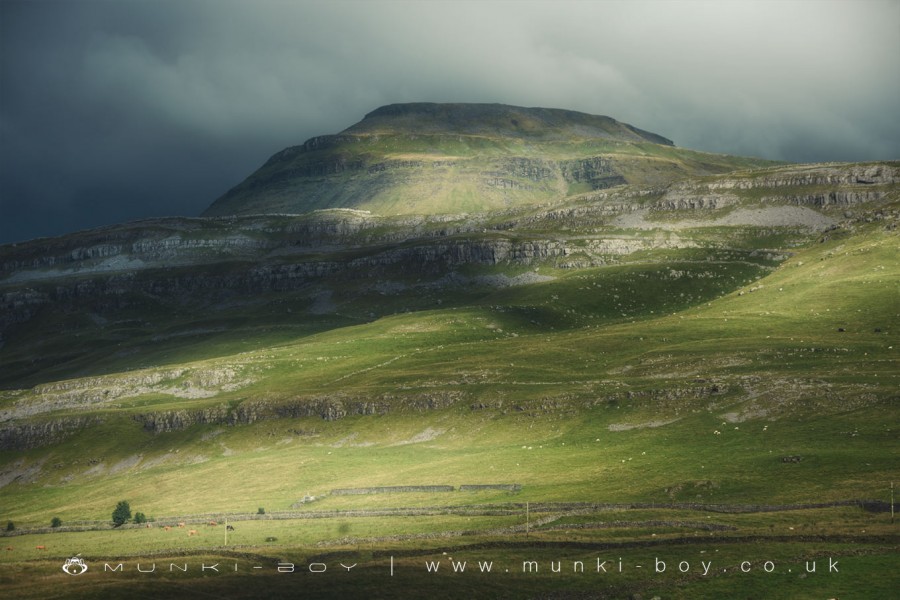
{"x":618,"y":384}
{"x":553,"y":364}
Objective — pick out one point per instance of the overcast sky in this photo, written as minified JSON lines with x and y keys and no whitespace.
{"x":113,"y":111}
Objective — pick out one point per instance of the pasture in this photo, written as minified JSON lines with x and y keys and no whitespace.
{"x":593,"y":390}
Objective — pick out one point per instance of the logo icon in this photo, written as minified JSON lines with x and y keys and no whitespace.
{"x":75,"y":566}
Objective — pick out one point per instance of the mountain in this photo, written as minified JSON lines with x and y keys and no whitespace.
{"x":453,"y":158}
{"x":695,"y":364}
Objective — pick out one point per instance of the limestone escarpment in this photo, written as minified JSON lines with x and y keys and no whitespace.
{"x":835,"y":174}
{"x":210,"y":260}
{"x":34,"y":434}
{"x":327,"y":408}
{"x":283,"y":268}
{"x":810,"y":185}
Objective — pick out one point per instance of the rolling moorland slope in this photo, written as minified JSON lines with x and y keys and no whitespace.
{"x":639,"y":369}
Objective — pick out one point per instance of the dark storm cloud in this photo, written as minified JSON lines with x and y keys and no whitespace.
{"x":118,"y":110}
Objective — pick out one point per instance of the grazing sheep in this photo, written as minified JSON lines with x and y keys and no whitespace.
{"x":181,"y":524}
{"x":193,"y":532}
{"x":40,"y":547}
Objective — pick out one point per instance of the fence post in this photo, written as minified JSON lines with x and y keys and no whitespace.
{"x":527,"y":520}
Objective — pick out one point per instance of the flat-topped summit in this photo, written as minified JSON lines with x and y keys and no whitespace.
{"x":498,"y":120}
{"x":427,"y":158}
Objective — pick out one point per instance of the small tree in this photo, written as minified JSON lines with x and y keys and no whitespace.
{"x":10,"y":526}
{"x":261,"y":511}
{"x":140,"y":517}
{"x":56,"y":522}
{"x":122,"y":513}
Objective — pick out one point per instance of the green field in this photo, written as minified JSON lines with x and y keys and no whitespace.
{"x":732,"y":401}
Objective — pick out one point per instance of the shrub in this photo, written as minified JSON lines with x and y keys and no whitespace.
{"x":140,"y":517}
{"x":10,"y":526}
{"x":55,"y":522}
{"x":122,"y":514}
{"x":261,"y":511}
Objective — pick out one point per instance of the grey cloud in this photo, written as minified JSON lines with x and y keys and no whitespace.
{"x":112,"y":111}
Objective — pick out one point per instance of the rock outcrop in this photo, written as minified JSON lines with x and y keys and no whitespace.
{"x":34,"y":434}
{"x":327,"y":408}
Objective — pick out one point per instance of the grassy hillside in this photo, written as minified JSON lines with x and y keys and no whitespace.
{"x":594,"y":387}
{"x":702,"y":372}
{"x":597,"y":359}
